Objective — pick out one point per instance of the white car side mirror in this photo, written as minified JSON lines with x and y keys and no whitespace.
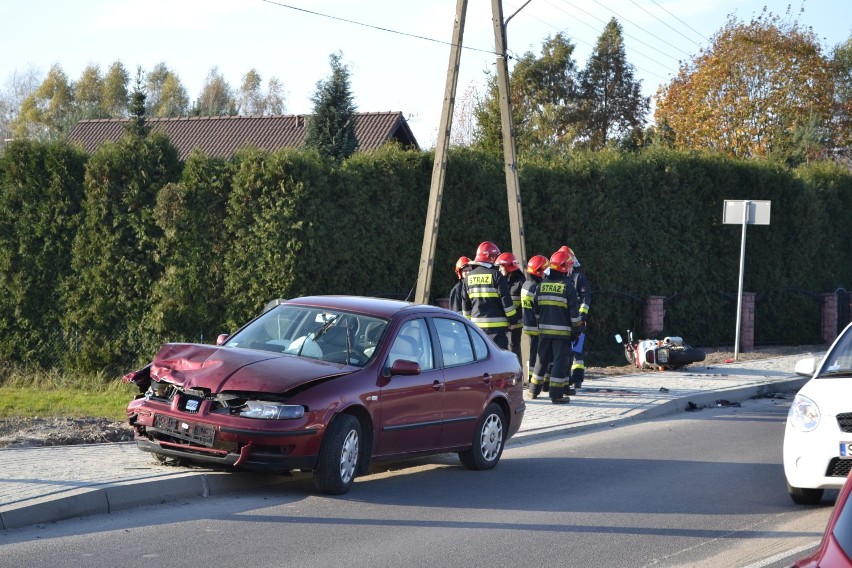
{"x":806,"y":367}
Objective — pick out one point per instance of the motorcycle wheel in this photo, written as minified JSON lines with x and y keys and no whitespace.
{"x":630,"y":355}
{"x":685,"y":356}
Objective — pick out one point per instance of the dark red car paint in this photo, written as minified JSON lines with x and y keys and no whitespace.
{"x":413,"y":413}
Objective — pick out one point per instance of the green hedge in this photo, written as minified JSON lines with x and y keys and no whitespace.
{"x":164,"y":250}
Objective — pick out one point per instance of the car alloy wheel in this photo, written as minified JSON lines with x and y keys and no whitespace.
{"x":349,"y":457}
{"x":491,"y":438}
{"x":339,"y":455}
{"x":487,"y":446}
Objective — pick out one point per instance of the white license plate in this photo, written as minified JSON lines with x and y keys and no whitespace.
{"x":846,"y":449}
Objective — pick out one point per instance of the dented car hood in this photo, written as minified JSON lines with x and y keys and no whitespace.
{"x":219,"y":369}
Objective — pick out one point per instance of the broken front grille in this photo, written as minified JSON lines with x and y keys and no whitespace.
{"x":188,"y":403}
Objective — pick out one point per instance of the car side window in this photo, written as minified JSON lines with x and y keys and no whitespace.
{"x":413,"y":343}
{"x":479,"y":346}
{"x":454,"y":341}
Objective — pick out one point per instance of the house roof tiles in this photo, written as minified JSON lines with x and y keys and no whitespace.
{"x":221,"y":136}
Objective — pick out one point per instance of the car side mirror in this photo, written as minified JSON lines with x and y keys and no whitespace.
{"x":403,"y":367}
{"x":806,"y":367}
{"x":222,"y":339}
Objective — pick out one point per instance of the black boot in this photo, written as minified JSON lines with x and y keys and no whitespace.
{"x":546,"y":387}
{"x":557,"y":395}
{"x":534,"y":390}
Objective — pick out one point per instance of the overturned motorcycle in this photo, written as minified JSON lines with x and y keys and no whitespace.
{"x":669,"y":353}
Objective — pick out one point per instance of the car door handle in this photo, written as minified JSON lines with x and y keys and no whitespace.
{"x":437,"y":385}
{"x":486,"y":378}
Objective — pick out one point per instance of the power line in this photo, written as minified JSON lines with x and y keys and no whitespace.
{"x":703,"y":37}
{"x":644,"y":30}
{"x":379,"y":28}
{"x":665,"y":23}
{"x":625,"y":34}
{"x":579,"y":40}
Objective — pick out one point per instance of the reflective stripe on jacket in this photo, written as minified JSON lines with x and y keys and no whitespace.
{"x":516,"y":282}
{"x":584,"y":293}
{"x":486,"y":300}
{"x":557,"y":307}
{"x":527,"y":297}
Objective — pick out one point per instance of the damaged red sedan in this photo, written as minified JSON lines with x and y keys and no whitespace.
{"x":329,"y":384}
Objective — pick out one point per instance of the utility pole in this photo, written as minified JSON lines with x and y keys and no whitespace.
{"x":516,"y":220}
{"x":439,"y":166}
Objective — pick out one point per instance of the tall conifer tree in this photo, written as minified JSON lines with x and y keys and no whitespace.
{"x":331,"y":129}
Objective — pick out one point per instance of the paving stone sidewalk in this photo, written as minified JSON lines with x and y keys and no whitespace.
{"x":45,"y":484}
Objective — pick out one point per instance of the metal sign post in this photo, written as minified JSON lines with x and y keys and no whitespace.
{"x":748,"y":213}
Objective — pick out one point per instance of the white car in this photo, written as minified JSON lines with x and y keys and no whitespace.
{"x":818,"y":435}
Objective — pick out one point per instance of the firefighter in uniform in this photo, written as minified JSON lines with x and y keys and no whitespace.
{"x":485,"y":296}
{"x":584,"y":293}
{"x":557,"y":309}
{"x":535,"y":272}
{"x":507,"y":263}
{"x":456,"y":293}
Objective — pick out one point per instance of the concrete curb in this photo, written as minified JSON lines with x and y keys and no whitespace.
{"x":659,"y":410}
{"x":706,"y":399}
{"x":117,"y":496}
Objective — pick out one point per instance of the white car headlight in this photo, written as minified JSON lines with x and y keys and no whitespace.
{"x":271,"y":410}
{"x":804,"y":414}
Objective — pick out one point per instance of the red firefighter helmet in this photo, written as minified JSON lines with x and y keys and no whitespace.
{"x":508,"y":261}
{"x":537,"y":264}
{"x":461,"y":264}
{"x":561,"y":261}
{"x":566,"y":248}
{"x":486,"y":252}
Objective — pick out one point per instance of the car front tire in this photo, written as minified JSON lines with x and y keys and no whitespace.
{"x":338,"y":458}
{"x":804,"y":495}
{"x":488,"y":440}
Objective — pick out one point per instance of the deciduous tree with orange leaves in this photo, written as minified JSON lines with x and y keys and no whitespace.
{"x":760,"y":89}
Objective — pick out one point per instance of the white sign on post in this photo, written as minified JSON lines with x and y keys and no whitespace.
{"x":758,"y":212}
{"x":745,"y":213}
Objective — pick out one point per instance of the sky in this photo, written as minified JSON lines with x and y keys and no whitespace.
{"x":397,"y":51}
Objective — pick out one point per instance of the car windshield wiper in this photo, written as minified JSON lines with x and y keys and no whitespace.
{"x":324,"y":327}
{"x":316,"y":333}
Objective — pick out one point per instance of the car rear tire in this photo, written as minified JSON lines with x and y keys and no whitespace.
{"x":804,"y":495}
{"x":488,"y":440}
{"x":338,"y":457}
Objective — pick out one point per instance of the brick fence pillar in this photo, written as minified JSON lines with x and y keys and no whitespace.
{"x":829,"y":317}
{"x":747,"y":322}
{"x":655,"y":315}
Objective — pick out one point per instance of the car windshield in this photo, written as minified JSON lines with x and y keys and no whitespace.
{"x":839,"y":360}
{"x":316,"y":333}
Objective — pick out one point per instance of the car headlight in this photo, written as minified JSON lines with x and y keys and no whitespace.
{"x":271,"y":410}
{"x":804,"y":414}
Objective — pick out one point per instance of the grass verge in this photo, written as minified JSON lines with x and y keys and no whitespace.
{"x":26,"y":392}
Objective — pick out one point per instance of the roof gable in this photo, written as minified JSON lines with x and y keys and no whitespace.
{"x":221,"y":136}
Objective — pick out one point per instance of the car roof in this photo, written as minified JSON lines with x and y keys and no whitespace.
{"x":379,"y":307}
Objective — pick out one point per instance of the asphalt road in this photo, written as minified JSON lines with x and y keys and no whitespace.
{"x":699,"y":489}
